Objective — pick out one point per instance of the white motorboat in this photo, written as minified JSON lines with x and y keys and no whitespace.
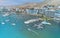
{"x":44,"y":22}
{"x":32,"y":20}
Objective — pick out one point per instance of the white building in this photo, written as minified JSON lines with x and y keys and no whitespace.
{"x":31,"y":11}
{"x":57,"y":17}
{"x":50,"y":13}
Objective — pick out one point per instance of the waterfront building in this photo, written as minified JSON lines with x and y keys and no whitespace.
{"x":4,"y":9}
{"x":42,"y":11}
{"x":50,"y":13}
{"x":37,"y":9}
{"x":57,"y":16}
{"x":32,"y":11}
{"x":17,"y":10}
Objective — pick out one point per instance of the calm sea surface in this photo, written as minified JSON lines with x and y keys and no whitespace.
{"x":13,"y":26}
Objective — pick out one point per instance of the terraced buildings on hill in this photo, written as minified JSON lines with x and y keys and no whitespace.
{"x":47,"y":7}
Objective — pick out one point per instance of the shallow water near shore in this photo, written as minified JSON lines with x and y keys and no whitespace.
{"x":20,"y":30}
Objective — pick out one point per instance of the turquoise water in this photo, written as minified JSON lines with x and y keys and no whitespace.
{"x":19,"y":30}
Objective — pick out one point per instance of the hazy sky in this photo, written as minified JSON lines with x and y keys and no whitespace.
{"x":17,"y":2}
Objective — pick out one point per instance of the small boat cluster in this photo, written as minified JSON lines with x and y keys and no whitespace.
{"x":39,"y":26}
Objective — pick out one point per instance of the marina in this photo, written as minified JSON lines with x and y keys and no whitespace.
{"x":30,"y":20}
{"x":12,"y":25}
